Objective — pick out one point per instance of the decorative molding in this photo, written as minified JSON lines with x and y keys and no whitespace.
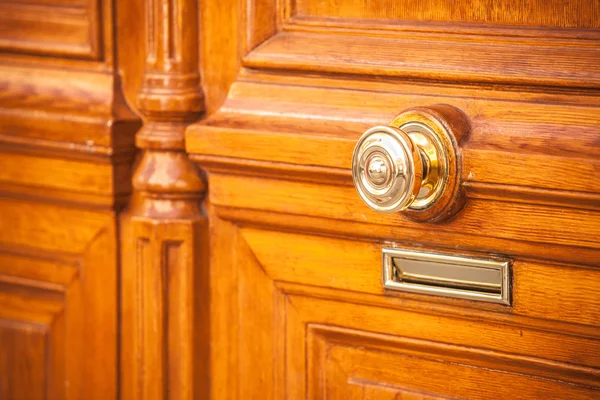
{"x":325,"y":338}
{"x":343,"y":177}
{"x":163,"y":235}
{"x":499,"y":53}
{"x":299,"y":311}
{"x":81,"y":109}
{"x":72,"y":123}
{"x":71,"y":31}
{"x":390,"y":28}
{"x":325,"y":276}
{"x":502,"y":61}
{"x":62,"y":303}
{"x":270,"y":129}
{"x":514,"y":14}
{"x":495,"y":219}
{"x":443,"y":240}
{"x":66,"y":130}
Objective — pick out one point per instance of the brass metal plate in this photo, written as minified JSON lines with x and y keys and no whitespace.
{"x":444,"y":275}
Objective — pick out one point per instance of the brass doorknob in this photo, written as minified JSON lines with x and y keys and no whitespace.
{"x":408,"y":164}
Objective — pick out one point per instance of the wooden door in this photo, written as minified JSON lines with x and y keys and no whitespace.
{"x":298,"y":308}
{"x":66,"y":151}
{"x":178,"y":218}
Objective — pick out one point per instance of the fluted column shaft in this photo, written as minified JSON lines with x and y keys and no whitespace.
{"x":164,"y":230}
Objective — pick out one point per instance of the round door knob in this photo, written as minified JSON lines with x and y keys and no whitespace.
{"x":409,"y":165}
{"x":387,"y":168}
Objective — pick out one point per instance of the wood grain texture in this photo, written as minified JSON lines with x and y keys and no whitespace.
{"x":378,"y":391}
{"x":554,"y":13}
{"x":296,"y":296}
{"x":289,"y":302}
{"x":220,"y":49}
{"x":72,"y":30}
{"x":22,"y":363}
{"x":164,"y":345}
{"x":66,"y":145}
{"x":479,"y":218}
{"x":337,"y":37}
{"x":260,"y":119}
{"x":65,"y":134}
{"x":500,"y":348}
{"x":58,"y":301}
{"x":468,"y":343}
{"x":43,"y":104}
{"x":324,"y":262}
{"x":498,"y":60}
{"x":345,"y":367}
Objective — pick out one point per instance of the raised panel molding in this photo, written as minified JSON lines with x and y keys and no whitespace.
{"x":403,"y":360}
{"x":66,"y":130}
{"x":58,"y":307}
{"x":294,"y":40}
{"x":548,"y":13}
{"x":376,"y":391}
{"x":337,"y":38}
{"x":281,"y":337}
{"x":312,"y":86}
{"x":25,"y":347}
{"x":57,"y":28}
{"x":65,"y":135}
{"x":407,"y":56}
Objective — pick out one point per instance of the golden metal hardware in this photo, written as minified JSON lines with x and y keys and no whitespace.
{"x":399,"y":166}
{"x":445,"y":275}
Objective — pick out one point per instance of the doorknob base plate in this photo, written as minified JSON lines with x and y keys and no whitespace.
{"x":440,"y":128}
{"x":435,"y":162}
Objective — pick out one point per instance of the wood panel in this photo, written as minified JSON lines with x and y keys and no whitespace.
{"x":62,"y":109}
{"x":348,"y":367}
{"x":22,"y":360}
{"x":66,"y":149}
{"x":70,"y":175}
{"x":297,"y":307}
{"x":85,"y":109}
{"x":408,"y":56}
{"x":481,"y":218}
{"x":478,"y":343}
{"x":554,"y":13}
{"x":57,"y":28}
{"x":65,"y":134}
{"x":508,"y":142}
{"x":58,"y":296}
{"x":286,"y":332}
{"x":356,"y":266}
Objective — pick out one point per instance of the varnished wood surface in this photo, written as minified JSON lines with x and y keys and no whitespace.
{"x":66,"y":151}
{"x":552,"y":13}
{"x":280,"y":287}
{"x":496,"y":59}
{"x":177,"y":216}
{"x":58,"y":299}
{"x":297,"y":305}
{"x":73,"y":29}
{"x":163,"y":238}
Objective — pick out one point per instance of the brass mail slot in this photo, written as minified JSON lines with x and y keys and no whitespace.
{"x":444,"y":275}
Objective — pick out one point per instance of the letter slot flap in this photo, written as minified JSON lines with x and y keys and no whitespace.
{"x":445,"y":275}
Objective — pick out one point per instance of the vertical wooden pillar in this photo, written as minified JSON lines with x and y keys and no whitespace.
{"x":164,"y":230}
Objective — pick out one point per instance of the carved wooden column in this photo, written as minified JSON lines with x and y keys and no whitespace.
{"x":164,"y":230}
